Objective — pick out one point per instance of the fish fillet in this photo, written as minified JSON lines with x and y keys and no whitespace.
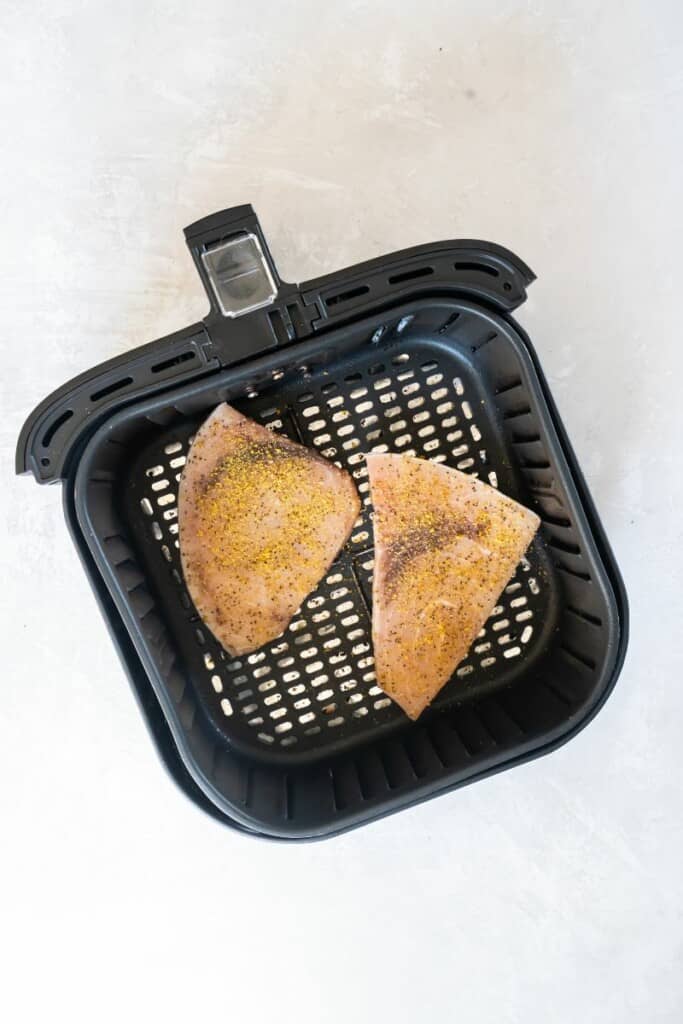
{"x":445,"y":547}
{"x":261,"y":519}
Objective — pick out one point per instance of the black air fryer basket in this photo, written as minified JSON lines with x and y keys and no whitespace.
{"x":415,"y":352}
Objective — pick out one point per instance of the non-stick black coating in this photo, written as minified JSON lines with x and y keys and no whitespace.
{"x":491,"y":712}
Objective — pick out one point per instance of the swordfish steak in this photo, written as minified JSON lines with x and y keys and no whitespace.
{"x":261,"y":519}
{"x":446,"y":545}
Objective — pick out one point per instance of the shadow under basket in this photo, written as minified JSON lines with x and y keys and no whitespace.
{"x":415,"y":353}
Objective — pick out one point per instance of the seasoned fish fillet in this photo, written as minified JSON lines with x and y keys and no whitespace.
{"x":261,"y":519}
{"x":445,"y":547}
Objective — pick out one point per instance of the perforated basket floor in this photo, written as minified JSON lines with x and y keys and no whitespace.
{"x":316,"y":684}
{"x":297,"y":739}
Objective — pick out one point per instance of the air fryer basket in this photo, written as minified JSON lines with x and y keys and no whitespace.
{"x":297,"y":740}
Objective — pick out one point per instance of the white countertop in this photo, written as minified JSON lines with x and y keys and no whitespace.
{"x":551,"y":893}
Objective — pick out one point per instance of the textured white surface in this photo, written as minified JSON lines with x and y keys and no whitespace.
{"x":552,"y":893}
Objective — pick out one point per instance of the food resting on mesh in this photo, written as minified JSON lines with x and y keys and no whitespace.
{"x":262,"y":518}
